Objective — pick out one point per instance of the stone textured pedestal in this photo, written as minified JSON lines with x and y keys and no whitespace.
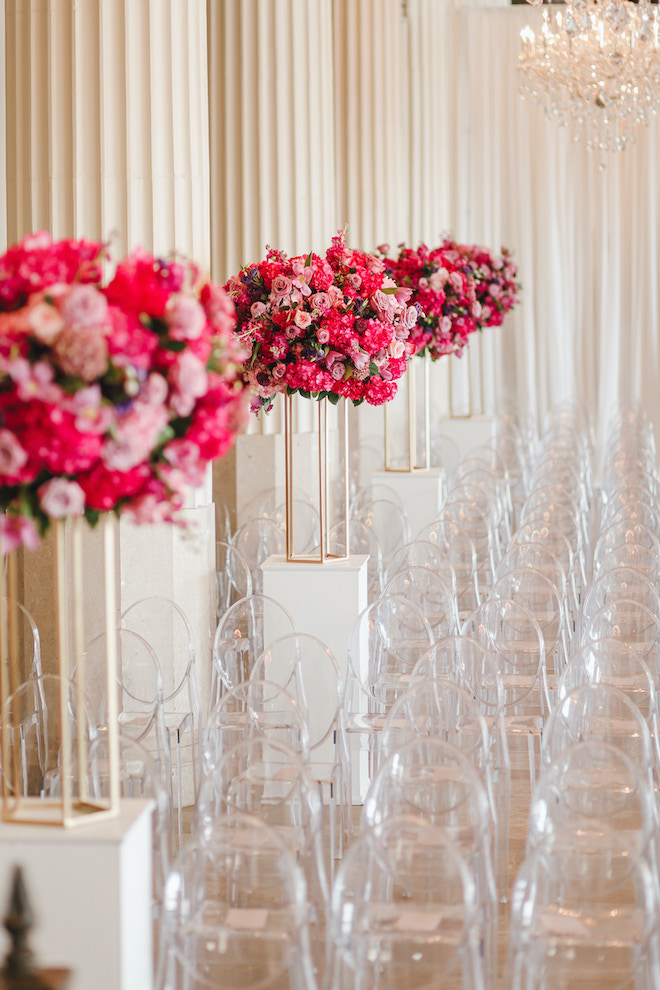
{"x":90,"y":888}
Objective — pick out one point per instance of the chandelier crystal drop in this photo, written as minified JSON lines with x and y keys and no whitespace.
{"x":595,"y":69}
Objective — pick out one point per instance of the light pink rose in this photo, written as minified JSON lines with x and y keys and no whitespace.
{"x":188,"y":375}
{"x":84,"y":306}
{"x":17,"y":531}
{"x":302,"y":319}
{"x":383,"y":248}
{"x":323,"y":336}
{"x":410,"y":317}
{"x":257,"y":309}
{"x":155,"y":390}
{"x":361,"y":360}
{"x":495,"y":291}
{"x":475,"y":310}
{"x":338,"y":371}
{"x":136,"y":434}
{"x":185,"y":317}
{"x":60,"y":498}
{"x":82,"y":352}
{"x":354,"y":280}
{"x":91,"y":415}
{"x":281,"y":286}
{"x":34,"y":381}
{"x":397,"y":349}
{"x":456,"y":281}
{"x":385,"y":305}
{"x":335,"y":296}
{"x":44,"y":321}
{"x":12,"y":456}
{"x":423,"y":283}
{"x":279,"y":370}
{"x":445,"y":324}
{"x":438,"y":280}
{"x":320,"y":300}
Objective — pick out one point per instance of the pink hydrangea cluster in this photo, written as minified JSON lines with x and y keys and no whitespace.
{"x":333,"y":326}
{"x":112,"y":398}
{"x":450,"y":287}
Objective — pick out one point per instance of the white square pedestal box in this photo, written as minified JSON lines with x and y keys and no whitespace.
{"x":420,"y":492}
{"x":90,"y":889}
{"x":468,"y":432}
{"x":323,"y":600}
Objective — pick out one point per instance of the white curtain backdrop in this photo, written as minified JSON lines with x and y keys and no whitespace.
{"x":585,"y":228}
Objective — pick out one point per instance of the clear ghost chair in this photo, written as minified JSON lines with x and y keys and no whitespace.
{"x":610,"y":661}
{"x":541,"y":558}
{"x":634,"y":555}
{"x":584,"y":914}
{"x":540,"y":597}
{"x":361,"y":540}
{"x":593,"y":782}
{"x":387,"y":640}
{"x":307,"y":528}
{"x":388,"y":521}
{"x":430,"y":593}
{"x":258,"y":539}
{"x":423,"y":553}
{"x":304,"y":667}
{"x":624,"y":495}
{"x":405,"y":914}
{"x":513,"y":637}
{"x":476,"y":522}
{"x":432,"y":780}
{"x":253,"y":708}
{"x":365,"y":496}
{"x":445,"y":452}
{"x":637,"y":512}
{"x":267,"y":780}
{"x":624,"y":532}
{"x":32,"y":714}
{"x":235,"y":912}
{"x":166,"y":627}
{"x":631,"y":623}
{"x":561,"y":517}
{"x":243,"y":633}
{"x":233,"y":579}
{"x":599,"y":713}
{"x":466,"y":663}
{"x":616,"y":583}
{"x":462,"y":555}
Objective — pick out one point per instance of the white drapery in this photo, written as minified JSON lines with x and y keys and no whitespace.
{"x":585,"y":227}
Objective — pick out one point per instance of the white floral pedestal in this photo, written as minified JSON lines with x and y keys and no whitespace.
{"x":467,"y":432}
{"x":91,"y":893}
{"x":420,"y":492}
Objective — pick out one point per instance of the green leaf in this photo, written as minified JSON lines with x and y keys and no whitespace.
{"x":92,"y":516}
{"x":358,"y":402}
{"x":333,"y":398}
{"x":308,"y":260}
{"x":373,"y":368}
{"x":174,"y":345}
{"x":390,"y":290}
{"x":255,"y":353}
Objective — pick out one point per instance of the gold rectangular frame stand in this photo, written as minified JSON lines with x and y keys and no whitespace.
{"x":482,"y":404}
{"x":324,"y":499}
{"x":412,"y":465}
{"x":69,"y":810}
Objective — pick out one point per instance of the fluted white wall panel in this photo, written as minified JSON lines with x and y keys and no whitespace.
{"x":370,"y":115}
{"x":107,"y":122}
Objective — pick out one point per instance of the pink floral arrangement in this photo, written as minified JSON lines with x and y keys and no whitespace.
{"x":112,"y":398}
{"x":450,"y":286}
{"x":498,"y":290}
{"x":333,"y":326}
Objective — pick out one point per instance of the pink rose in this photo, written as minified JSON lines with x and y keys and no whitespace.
{"x":44,"y":321}
{"x":34,"y":381}
{"x":338,"y":371}
{"x":410,"y":317}
{"x":383,"y":248}
{"x":84,"y":306}
{"x":91,"y":415}
{"x":279,"y":370}
{"x":136,"y":435}
{"x":281,"y":286}
{"x":397,"y":349}
{"x":320,"y":300}
{"x":445,"y":324}
{"x":438,"y":280}
{"x":335,"y":296}
{"x":302,"y":319}
{"x":475,"y":310}
{"x":423,"y":283}
{"x":155,"y":390}
{"x":456,"y":281}
{"x":82,"y":352}
{"x":323,"y":336}
{"x":12,"y":455}
{"x":188,"y":375}
{"x":17,"y":531}
{"x":185,"y":317}
{"x":60,"y":498}
{"x":257,"y":309}
{"x":354,"y":280}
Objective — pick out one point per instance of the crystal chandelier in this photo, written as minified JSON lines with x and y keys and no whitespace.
{"x":595,"y":69}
